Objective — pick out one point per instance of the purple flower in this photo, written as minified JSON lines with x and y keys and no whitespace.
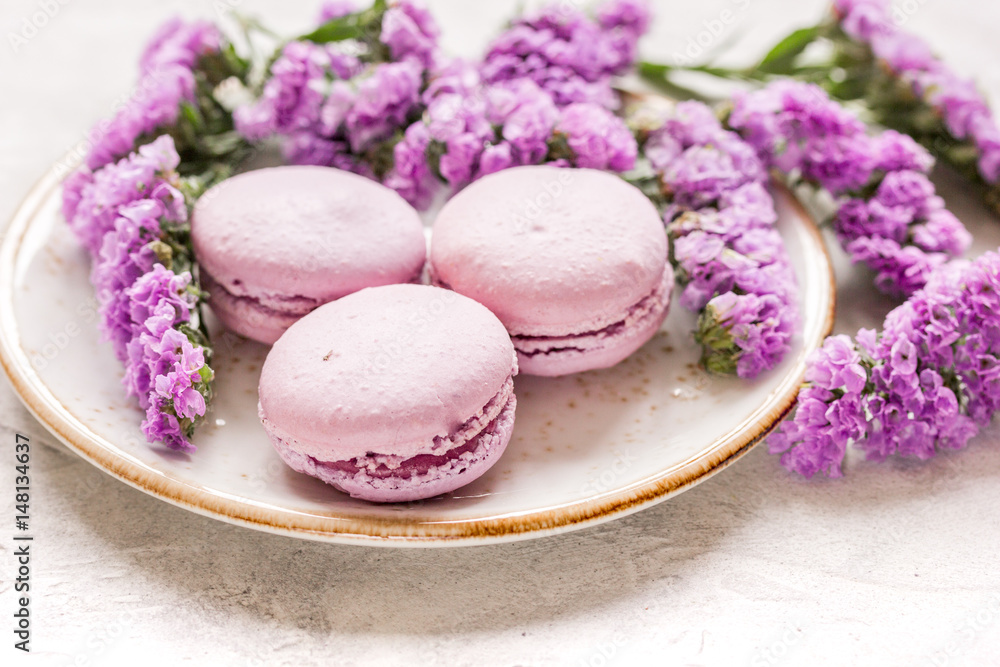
{"x":528,"y":117}
{"x":902,"y":51}
{"x":496,"y":157}
{"x":175,"y":366}
{"x":335,"y":9}
{"x":410,"y":31}
{"x":91,"y":199}
{"x":178,"y":43}
{"x":954,"y":99}
{"x":701,"y":174}
{"x":566,"y":53}
{"x":829,"y":414}
{"x":626,"y":21}
{"x":125,"y":256}
{"x":598,"y":139}
{"x":296,"y":92}
{"x":840,"y":164}
{"x":154,"y":105}
{"x":755,"y":325}
{"x":799,"y":130}
{"x":894,"y":151}
{"x":931,"y":377}
{"x":731,"y":263}
{"x":166,"y":81}
{"x":454,"y":76}
{"x":411,"y":175}
{"x":161,"y":425}
{"x":861,"y":20}
{"x":632,"y":16}
{"x":384,"y":100}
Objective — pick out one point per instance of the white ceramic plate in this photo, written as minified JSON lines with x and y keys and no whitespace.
{"x":585,"y":449}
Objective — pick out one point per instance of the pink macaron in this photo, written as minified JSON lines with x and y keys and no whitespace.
{"x":273,"y":244}
{"x":393,"y":393}
{"x":572,"y":261}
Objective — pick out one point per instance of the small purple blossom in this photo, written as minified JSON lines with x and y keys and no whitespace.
{"x":964,"y":112}
{"x":730,"y":261}
{"x":470,"y":130}
{"x":154,"y":105}
{"x":598,"y":139}
{"x":125,"y":256}
{"x":179,"y":43}
{"x":929,"y":381}
{"x":384,"y":100}
{"x":411,"y":176}
{"x":335,"y":9}
{"x":166,"y":81}
{"x":122,"y":213}
{"x":796,"y":128}
{"x":296,"y":92}
{"x":569,"y":55}
{"x":410,"y":31}
{"x":91,"y":199}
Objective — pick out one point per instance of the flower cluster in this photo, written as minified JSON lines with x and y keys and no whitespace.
{"x":471,"y":129}
{"x":957,"y":108}
{"x":167,"y":81}
{"x":340,"y":103}
{"x":91,"y":199}
{"x":927,"y":382}
{"x":130,"y":215}
{"x":888,"y":215}
{"x":730,"y":260}
{"x":567,"y":53}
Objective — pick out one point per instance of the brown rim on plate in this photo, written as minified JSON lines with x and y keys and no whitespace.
{"x":409,"y":529}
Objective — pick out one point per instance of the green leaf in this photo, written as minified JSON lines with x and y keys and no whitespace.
{"x":658,"y":77}
{"x":336,"y":30}
{"x":351,"y":26}
{"x":206,"y":373}
{"x":781,"y":58}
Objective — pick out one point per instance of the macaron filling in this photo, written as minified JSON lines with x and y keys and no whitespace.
{"x":649,"y":311}
{"x":261,"y":316}
{"x":449,"y":462}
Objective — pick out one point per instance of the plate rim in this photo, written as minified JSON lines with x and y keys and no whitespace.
{"x":415,"y":531}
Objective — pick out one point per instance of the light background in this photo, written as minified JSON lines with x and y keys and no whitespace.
{"x":894,"y":565}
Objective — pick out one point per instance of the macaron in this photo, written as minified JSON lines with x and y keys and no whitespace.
{"x":394,"y":393}
{"x":274,"y":244}
{"x":572,"y":261}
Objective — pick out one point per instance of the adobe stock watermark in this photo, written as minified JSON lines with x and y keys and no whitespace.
{"x":224,"y":8}
{"x":59,"y":340}
{"x":603,"y":652}
{"x":546,"y":197}
{"x":147,"y":87}
{"x":390,"y":351}
{"x":777,"y":650}
{"x":35,"y":22}
{"x":967,"y":632}
{"x":101,"y":639}
{"x":904,"y":10}
{"x":712,"y":31}
{"x":607,"y":478}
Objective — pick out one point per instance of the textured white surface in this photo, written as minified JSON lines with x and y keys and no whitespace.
{"x":895,"y":565}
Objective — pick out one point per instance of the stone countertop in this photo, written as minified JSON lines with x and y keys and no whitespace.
{"x":894,"y":565}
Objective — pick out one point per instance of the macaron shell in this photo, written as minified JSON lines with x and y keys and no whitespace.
{"x":551,"y":251}
{"x":594,"y":352}
{"x":454,"y":474}
{"x":312,"y":232}
{"x":384,"y":370}
{"x":246,"y":316}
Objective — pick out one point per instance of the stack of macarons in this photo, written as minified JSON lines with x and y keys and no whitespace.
{"x":392,"y":391}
